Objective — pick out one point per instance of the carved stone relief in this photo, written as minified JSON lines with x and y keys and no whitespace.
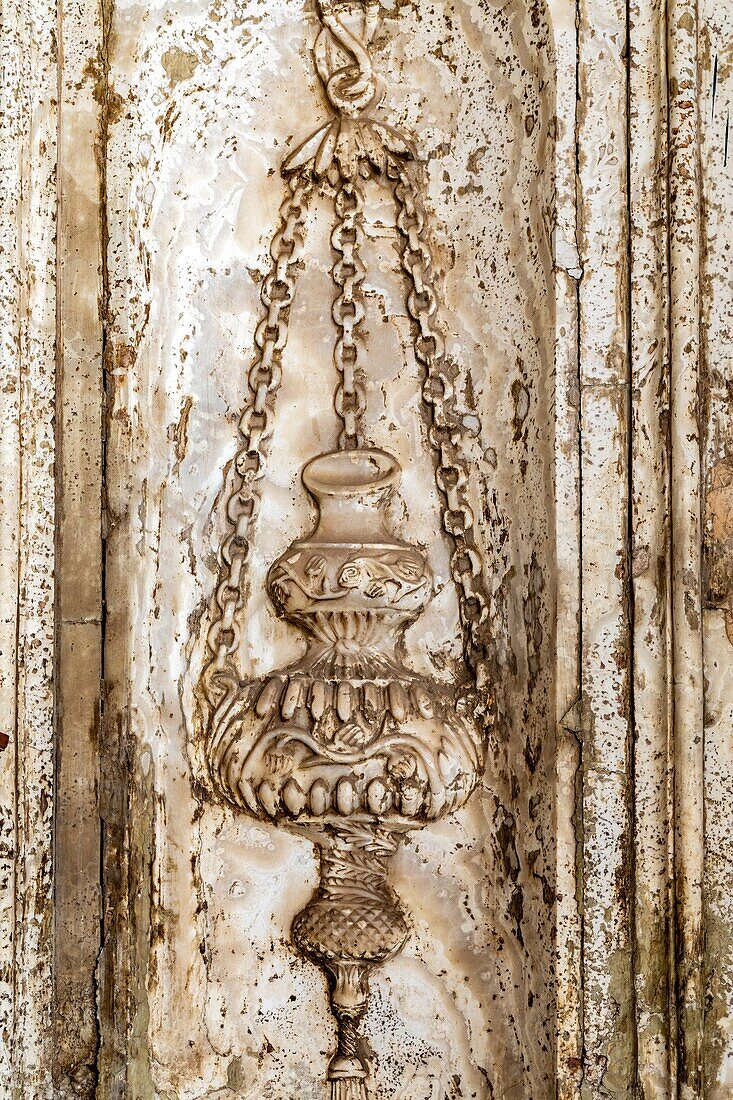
{"x":289,"y":786}
{"x":414,"y":1022}
{"x":349,"y":745}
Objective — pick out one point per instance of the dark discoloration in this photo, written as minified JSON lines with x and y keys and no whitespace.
{"x":719,"y":541}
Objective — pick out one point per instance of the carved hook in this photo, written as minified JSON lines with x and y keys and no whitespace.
{"x":353,"y":87}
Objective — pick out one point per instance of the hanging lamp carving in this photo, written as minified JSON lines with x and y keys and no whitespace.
{"x":349,"y":744}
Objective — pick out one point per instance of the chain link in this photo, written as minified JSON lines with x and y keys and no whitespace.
{"x":446,"y":432}
{"x":348,"y":312}
{"x":255,"y":424}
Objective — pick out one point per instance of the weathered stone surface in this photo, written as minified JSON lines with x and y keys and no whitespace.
{"x":686,"y":542}
{"x":27,"y":536}
{"x":604,"y":376}
{"x":541,"y":958}
{"x":717,"y":316}
{"x":78,"y":658}
{"x":649,"y":543}
{"x":193,"y":192}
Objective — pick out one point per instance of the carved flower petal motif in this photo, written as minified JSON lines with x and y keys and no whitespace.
{"x":280,"y":592}
{"x":280,"y":762}
{"x":408,"y":570}
{"x":402,"y":765}
{"x":393,"y":141}
{"x":315,"y":566}
{"x":348,"y":143}
{"x":373,"y":149}
{"x":308,"y":150}
{"x":351,"y":736}
{"x":351,"y":575}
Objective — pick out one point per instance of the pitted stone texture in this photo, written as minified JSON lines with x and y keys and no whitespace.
{"x":207,"y":100}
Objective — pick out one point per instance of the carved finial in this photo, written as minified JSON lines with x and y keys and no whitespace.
{"x":353,"y":923}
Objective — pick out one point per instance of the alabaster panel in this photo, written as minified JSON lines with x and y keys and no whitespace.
{"x":207,"y":102}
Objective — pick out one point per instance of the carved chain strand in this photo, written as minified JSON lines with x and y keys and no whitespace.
{"x":348,"y":312}
{"x":255,"y":425}
{"x":446,"y":430}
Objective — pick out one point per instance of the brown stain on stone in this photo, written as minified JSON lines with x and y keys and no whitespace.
{"x":179,"y":65}
{"x":180,"y":430}
{"x":719,"y":542}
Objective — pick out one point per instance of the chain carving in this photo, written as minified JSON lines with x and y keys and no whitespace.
{"x":256,"y":424}
{"x":349,"y":744}
{"x":348,"y":311}
{"x":446,"y":432}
